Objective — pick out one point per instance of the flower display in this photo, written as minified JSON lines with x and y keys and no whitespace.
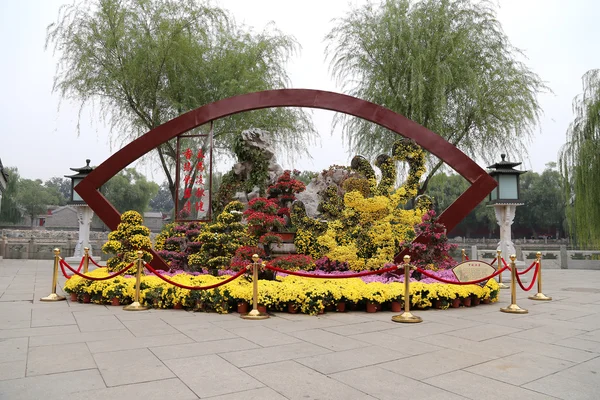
{"x":311,"y":296}
{"x":124,"y":243}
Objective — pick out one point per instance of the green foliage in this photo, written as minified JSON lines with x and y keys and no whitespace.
{"x":580,"y":164}
{"x":445,"y":189}
{"x":144,"y":62}
{"x":33,"y":198}
{"x":220,"y":240}
{"x":10,"y":211}
{"x":129,"y":190}
{"x":544,"y":208}
{"x":61,"y":188}
{"x":445,"y":64}
{"x":124,"y":242}
{"x":162,"y":201}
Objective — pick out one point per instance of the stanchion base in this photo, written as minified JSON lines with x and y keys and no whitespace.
{"x":540,"y":296}
{"x":407,"y":317}
{"x":514,"y":309}
{"x":255,"y":314}
{"x":53,"y":297}
{"x":135,"y":306}
{"x":503,"y":286}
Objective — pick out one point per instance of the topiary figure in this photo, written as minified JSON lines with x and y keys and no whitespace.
{"x":218,"y":241}
{"x":124,"y":243}
{"x":370,"y":223}
{"x":176,"y":242}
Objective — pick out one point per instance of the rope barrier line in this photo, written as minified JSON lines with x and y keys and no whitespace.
{"x":504,"y":262}
{"x":535,"y":274}
{"x":321,"y":276}
{"x":493,"y":261}
{"x":427,"y":274}
{"x":528,"y":269}
{"x":62,"y":262}
{"x":155,"y":272}
{"x":95,"y":263}
{"x":62,"y":268}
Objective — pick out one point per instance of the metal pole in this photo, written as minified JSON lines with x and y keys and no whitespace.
{"x":464,"y":255}
{"x":136,"y":306}
{"x":539,"y":295}
{"x":513,"y":307}
{"x":406,"y":316}
{"x":86,"y":262}
{"x":255,"y":314}
{"x":499,"y":265}
{"x":53,"y":296}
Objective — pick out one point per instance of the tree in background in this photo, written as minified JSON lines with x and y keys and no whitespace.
{"x":444,"y":189}
{"x":34,"y":198}
{"x":163,"y":201}
{"x":10,"y":211}
{"x":543,"y":213}
{"x":580,"y":164}
{"x":445,"y":64}
{"x":129,"y":190}
{"x":61,"y":187}
{"x":145,"y":62}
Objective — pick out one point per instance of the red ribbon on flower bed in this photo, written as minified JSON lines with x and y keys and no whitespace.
{"x":63,"y":269}
{"x":535,"y":274}
{"x":427,"y":274}
{"x":357,"y":275}
{"x":92,"y":278}
{"x":155,"y":272}
{"x":528,"y":269}
{"x":95,"y":263}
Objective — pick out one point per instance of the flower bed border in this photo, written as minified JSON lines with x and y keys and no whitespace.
{"x":310,"y":296}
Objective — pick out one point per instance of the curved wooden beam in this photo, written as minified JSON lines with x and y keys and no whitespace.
{"x":481,"y":182}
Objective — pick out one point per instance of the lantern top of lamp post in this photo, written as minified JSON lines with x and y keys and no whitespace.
{"x":505,"y":167}
{"x":82,"y":172}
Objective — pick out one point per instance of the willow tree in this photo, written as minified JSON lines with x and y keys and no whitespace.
{"x":580,"y":164}
{"x":143,"y":62}
{"x":445,"y":64}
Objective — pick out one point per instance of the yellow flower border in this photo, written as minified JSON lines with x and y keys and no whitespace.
{"x":310,"y":295}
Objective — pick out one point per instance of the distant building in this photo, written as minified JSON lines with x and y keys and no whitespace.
{"x":3,"y":181}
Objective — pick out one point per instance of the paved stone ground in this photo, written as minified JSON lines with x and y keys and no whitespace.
{"x":64,"y":349}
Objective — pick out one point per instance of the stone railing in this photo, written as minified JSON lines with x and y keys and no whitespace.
{"x":553,"y":256}
{"x":39,"y":244}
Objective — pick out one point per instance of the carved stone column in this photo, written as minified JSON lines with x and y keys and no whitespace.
{"x":84,"y":217}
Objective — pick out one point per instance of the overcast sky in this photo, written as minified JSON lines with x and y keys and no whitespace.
{"x":558,"y":38}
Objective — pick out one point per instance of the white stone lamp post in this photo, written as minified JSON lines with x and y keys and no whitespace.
{"x":505,"y":199}
{"x":84,"y":212}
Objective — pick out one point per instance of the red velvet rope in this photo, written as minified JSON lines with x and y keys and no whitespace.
{"x":357,"y":275}
{"x":493,"y":261}
{"x":535,"y":274}
{"x":155,"y":272}
{"x":63,"y":268}
{"x":427,"y":274}
{"x":62,"y":262}
{"x":504,"y":262}
{"x":95,"y":263}
{"x":527,"y":270}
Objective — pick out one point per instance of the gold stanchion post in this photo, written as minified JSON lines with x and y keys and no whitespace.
{"x":539,"y":295}
{"x":136,"y":306}
{"x":53,"y":296}
{"x":255,"y":314}
{"x":513,"y":308}
{"x":406,"y":316}
{"x":499,"y":265}
{"x":464,"y":255}
{"x":86,"y":262}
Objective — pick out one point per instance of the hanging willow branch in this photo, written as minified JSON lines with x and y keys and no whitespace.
{"x":580,"y":164}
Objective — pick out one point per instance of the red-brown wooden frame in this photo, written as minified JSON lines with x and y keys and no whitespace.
{"x":481,"y":182}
